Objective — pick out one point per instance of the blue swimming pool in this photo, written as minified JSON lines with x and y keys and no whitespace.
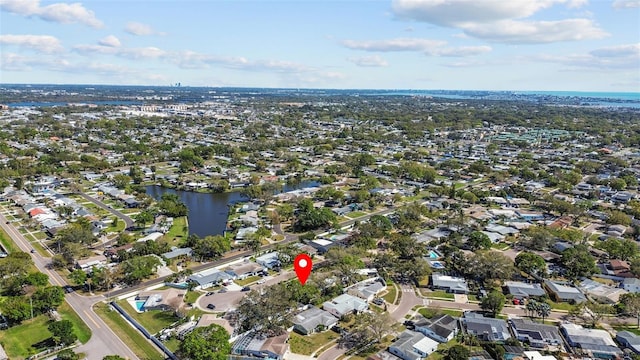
{"x":433,"y":255}
{"x":140,"y":305}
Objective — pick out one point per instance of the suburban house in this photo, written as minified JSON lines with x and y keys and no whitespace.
{"x":442,"y":328}
{"x":209,"y":278}
{"x":594,"y":342}
{"x":269,"y":260}
{"x":257,"y":346}
{"x":600,"y":292}
{"x":629,"y":340}
{"x":312,"y":320}
{"x":178,"y":252}
{"x":449,"y":284}
{"x":411,"y":345}
{"x":564,"y":292}
{"x":89,"y":263}
{"x":535,"y":334}
{"x":244,"y":270}
{"x":367,"y":289}
{"x":161,"y":299}
{"x":486,"y":329}
{"x":522,"y":290}
{"x":344,"y":304}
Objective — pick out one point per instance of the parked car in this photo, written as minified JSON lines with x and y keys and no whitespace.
{"x":378,"y":301}
{"x":261,"y":281}
{"x":246,"y":288}
{"x":223,"y":290}
{"x":211,"y":306}
{"x":68,"y":289}
{"x":209,"y":293}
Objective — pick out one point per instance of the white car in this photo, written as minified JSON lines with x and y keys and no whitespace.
{"x":261,"y":281}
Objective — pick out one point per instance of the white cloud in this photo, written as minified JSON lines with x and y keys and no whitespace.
{"x":369,"y":61}
{"x":455,"y":13}
{"x":401,"y":44}
{"x":40,"y":43}
{"x":500,"y":20}
{"x":140,"y":29}
{"x":149,"y":52}
{"x":627,"y":50}
{"x":536,"y":32}
{"x":620,"y":57}
{"x":462,"y":51}
{"x":110,"y":41}
{"x":58,"y":12}
{"x":626,"y":4}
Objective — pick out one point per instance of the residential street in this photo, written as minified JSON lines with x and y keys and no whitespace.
{"x":103,"y":340}
{"x":127,"y":220}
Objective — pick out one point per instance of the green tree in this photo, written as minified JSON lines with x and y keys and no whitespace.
{"x":49,"y":297}
{"x":531,"y":263}
{"x":36,"y":279}
{"x":623,"y":249}
{"x":113,"y":357}
{"x":631,"y":305}
{"x":211,"y":247}
{"x":479,"y":240}
{"x":78,"y":276}
{"x":16,"y":308}
{"x":458,"y":352}
{"x":206,"y":343}
{"x":619,"y":218}
{"x":143,"y":218}
{"x":543,"y":310}
{"x":63,"y":332}
{"x":67,"y":354}
{"x":493,"y":302}
{"x":578,"y":262}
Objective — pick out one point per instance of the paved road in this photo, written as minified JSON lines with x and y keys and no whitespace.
{"x":127,"y":220}
{"x":408,"y":300}
{"x":103,"y":340}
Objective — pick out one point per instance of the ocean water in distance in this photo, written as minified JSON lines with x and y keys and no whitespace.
{"x":601,"y":95}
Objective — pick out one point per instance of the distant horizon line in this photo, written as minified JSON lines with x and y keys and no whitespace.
{"x":317,"y":88}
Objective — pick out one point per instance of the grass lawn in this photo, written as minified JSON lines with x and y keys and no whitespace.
{"x":306,"y":345}
{"x":356,"y":214}
{"x":81,"y":329}
{"x":440,"y":294}
{"x":153,"y":321}
{"x":6,"y":241}
{"x":40,"y":235}
{"x":500,"y":246}
{"x":191,"y":297}
{"x":119,"y":226}
{"x":172,"y":344}
{"x":178,"y":232}
{"x":130,"y":336}
{"x":390,"y":296}
{"x":560,"y":305}
{"x":27,"y":338}
{"x":247,"y":281}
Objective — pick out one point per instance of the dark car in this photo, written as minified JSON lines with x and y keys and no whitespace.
{"x":378,"y":301}
{"x":33,"y":251}
{"x":68,"y":289}
{"x":246,"y":288}
{"x":211,"y":306}
{"x":209,"y":293}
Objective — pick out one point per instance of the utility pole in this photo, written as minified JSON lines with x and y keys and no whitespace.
{"x":31,"y":303}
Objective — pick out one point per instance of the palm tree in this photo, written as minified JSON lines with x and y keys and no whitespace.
{"x":532,"y":307}
{"x":543,"y":310}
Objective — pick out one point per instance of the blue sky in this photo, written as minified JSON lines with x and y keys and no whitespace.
{"x":573,"y":45}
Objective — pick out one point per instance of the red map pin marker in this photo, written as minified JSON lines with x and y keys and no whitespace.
{"x":302,"y":265}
